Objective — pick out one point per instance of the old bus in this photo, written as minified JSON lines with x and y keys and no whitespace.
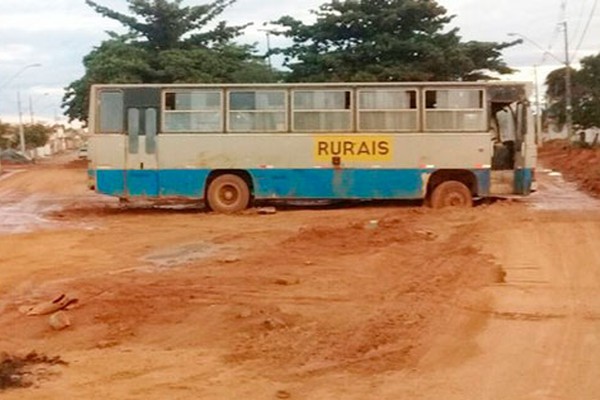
{"x":228,"y":145}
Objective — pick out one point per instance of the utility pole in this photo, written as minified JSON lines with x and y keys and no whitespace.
{"x":538,"y":107}
{"x":568,"y":91}
{"x":268,"y":34}
{"x":21,"y":129}
{"x":30,"y":110}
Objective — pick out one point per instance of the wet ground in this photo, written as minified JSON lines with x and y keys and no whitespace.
{"x":357,"y":302}
{"x":555,"y":193}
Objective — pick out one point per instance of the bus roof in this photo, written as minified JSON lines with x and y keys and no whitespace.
{"x":318,"y":84}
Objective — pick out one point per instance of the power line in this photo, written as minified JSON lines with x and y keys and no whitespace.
{"x":561,"y":17}
{"x":587,"y":25}
{"x":579,"y":20}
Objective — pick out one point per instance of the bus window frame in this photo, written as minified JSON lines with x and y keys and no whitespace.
{"x":221,"y":110}
{"x":284,"y":110}
{"x":416,"y":111}
{"x":483,"y":110}
{"x":351,"y":110}
{"x":98,"y":113}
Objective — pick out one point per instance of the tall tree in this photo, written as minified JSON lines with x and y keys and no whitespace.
{"x":37,"y":135}
{"x":166,"y":43}
{"x":586,"y":104}
{"x":7,"y":135}
{"x":385,"y":40}
{"x":585,"y":89}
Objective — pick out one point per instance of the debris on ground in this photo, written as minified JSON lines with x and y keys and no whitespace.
{"x":48,"y":307}
{"x":25,"y":371}
{"x":229,"y":259}
{"x":14,"y":157}
{"x":59,"y":320}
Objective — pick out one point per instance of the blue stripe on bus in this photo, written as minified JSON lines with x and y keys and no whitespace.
{"x":523,"y":181}
{"x":314,"y":183}
{"x":110,"y":181}
{"x":338,"y":183}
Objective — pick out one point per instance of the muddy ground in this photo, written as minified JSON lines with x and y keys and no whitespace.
{"x":353,"y":301}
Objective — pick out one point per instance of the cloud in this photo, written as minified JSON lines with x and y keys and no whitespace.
{"x":52,"y":22}
{"x":59,"y":33}
{"x":15,"y":52}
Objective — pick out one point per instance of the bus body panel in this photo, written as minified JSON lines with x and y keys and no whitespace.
{"x":283,"y":183}
{"x":144,"y":161}
{"x":184,"y":163}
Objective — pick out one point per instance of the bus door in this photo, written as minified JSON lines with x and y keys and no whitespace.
{"x":142,"y":116}
{"x":526,"y":150}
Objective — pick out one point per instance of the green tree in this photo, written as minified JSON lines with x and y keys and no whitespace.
{"x":585,"y":90}
{"x":586,"y":102}
{"x":385,"y":40}
{"x":166,"y":43}
{"x":7,"y":135}
{"x":37,"y":135}
{"x":555,"y":93}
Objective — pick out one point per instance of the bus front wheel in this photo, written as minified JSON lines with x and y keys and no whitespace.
{"x":451,"y":194}
{"x":228,"y":194}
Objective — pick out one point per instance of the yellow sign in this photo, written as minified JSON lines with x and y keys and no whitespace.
{"x":353,"y":148}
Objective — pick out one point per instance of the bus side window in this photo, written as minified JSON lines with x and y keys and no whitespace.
{"x":455,"y":110}
{"x":150,"y":125}
{"x":387,"y":110}
{"x":133,"y":129}
{"x":322,"y":110}
{"x":257,"y":111}
{"x":187,"y":110}
{"x":110,"y":110}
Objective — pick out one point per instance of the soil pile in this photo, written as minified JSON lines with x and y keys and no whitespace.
{"x":581,"y":165}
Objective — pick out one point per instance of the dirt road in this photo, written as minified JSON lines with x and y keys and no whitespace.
{"x":357,"y":302}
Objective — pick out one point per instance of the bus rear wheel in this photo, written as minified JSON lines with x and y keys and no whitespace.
{"x":228,"y":194}
{"x":451,"y":194}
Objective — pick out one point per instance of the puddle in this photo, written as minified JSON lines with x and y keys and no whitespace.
{"x":183,"y":254}
{"x":554,"y":194}
{"x":20,"y":214}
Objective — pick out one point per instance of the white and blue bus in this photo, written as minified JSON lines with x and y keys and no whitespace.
{"x":231,"y":144}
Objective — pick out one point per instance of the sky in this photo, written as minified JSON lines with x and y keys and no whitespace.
{"x":42,"y":43}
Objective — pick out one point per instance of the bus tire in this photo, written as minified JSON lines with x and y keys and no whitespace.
{"x":228,"y":194}
{"x":451,"y":194}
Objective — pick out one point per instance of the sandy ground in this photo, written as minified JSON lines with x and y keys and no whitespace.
{"x":360,"y":301}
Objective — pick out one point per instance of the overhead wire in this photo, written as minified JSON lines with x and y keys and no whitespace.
{"x":579,"y":21}
{"x":585,"y":29}
{"x":556,"y":31}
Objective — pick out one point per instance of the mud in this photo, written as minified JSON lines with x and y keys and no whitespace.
{"x":359,"y":301}
{"x":26,"y":371}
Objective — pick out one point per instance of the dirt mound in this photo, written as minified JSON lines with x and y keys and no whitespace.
{"x":13,"y":157}
{"x":581,"y":165}
{"x":360,"y":295}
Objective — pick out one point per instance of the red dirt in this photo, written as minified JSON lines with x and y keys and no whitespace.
{"x":581,"y":165}
{"x":364,"y":303}
{"x":292,"y":295}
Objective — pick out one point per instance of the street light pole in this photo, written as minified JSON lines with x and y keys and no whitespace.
{"x":568,"y":91}
{"x":538,"y":107}
{"x":6,"y":82}
{"x":19,"y":72}
{"x":21,"y":129}
{"x":268,"y":34}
